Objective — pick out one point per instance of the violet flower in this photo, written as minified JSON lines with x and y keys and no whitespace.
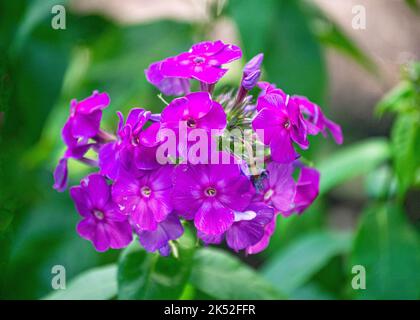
{"x":202,"y":62}
{"x":196,"y":111}
{"x":145,"y":196}
{"x":210,"y":194}
{"x":102,"y":224}
{"x":280,"y":120}
{"x":82,"y":124}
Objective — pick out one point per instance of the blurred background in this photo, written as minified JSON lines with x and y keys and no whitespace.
{"x":345,"y":55}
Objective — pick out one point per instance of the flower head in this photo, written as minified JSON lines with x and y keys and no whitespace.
{"x":102,"y":223}
{"x":202,"y":62}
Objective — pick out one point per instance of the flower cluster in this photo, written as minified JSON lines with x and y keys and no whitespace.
{"x":159,"y":171}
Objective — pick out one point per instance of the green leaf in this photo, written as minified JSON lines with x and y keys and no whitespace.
{"x":399,"y":99}
{"x":292,"y":267}
{"x":389,"y":249}
{"x":405,"y":138}
{"x":94,"y":284}
{"x":144,"y":275}
{"x":352,"y":161}
{"x":222,"y":276}
{"x":293,"y":57}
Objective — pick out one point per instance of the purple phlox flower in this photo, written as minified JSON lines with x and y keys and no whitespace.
{"x":102,"y":223}
{"x":145,"y":196}
{"x":169,"y":229}
{"x":281,"y":123}
{"x":307,"y":189}
{"x":247,"y":229}
{"x":252,"y":72}
{"x":278,"y":188}
{"x":202,"y":62}
{"x":134,"y":146}
{"x":85,"y":118}
{"x":195,"y":111}
{"x":211,"y":194}
{"x":171,"y":86}
{"x":82,"y":124}
{"x":316,"y":121}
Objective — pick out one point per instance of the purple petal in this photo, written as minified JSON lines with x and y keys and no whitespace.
{"x":61,"y":175}
{"x":86,"y":125}
{"x":169,"y":229}
{"x":81,"y":201}
{"x":97,"y":189}
{"x":282,"y":149}
{"x":307,"y":189}
{"x":212,"y":218}
{"x":97,"y":101}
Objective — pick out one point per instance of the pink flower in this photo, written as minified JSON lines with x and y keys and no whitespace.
{"x":202,"y":62}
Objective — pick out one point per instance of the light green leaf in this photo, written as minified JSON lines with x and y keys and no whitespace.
{"x":144,"y":275}
{"x":405,"y":149}
{"x":399,"y":99}
{"x":222,"y":276}
{"x":292,"y":267}
{"x":389,"y":249}
{"x":352,"y":161}
{"x":95,"y":284}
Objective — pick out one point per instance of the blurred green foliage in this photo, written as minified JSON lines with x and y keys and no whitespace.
{"x":42,"y":69}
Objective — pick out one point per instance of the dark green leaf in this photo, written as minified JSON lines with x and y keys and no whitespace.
{"x":144,"y":275}
{"x":292,"y":267}
{"x":94,"y":284}
{"x":222,"y":276}
{"x":293,"y":57}
{"x":352,"y":161}
{"x":389,"y":249}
